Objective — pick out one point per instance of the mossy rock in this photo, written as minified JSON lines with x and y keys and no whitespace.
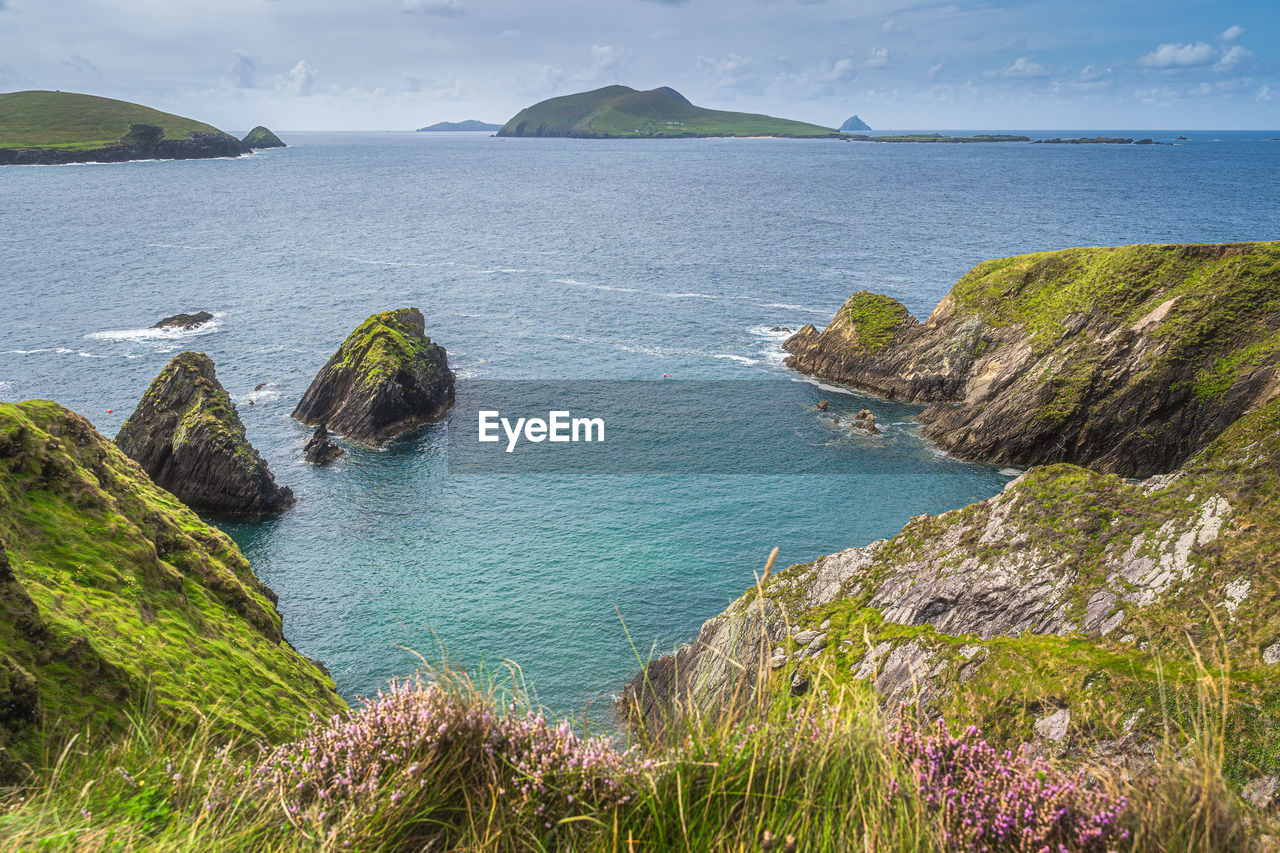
{"x":260,"y":137}
{"x":118,"y":597}
{"x":386,"y":379}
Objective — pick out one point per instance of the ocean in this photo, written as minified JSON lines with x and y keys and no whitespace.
{"x":565,"y":261}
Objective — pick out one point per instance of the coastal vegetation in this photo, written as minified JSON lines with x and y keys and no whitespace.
{"x":459,"y":126}
{"x":620,"y":112}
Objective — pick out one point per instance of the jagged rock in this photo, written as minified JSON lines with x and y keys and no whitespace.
{"x":1261,"y":792}
{"x":187,"y":436}
{"x":822,"y":405}
{"x":184,"y":321}
{"x":320,"y":450}
{"x":387,"y":378}
{"x":1053,"y":727}
{"x":1128,"y":360}
{"x":780,"y":329}
{"x":865,"y":422}
{"x":260,"y":137}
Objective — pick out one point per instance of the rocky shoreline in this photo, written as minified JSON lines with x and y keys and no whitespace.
{"x":144,"y":142}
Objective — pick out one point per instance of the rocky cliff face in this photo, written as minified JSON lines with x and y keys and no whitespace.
{"x":1127,"y":360}
{"x":143,"y":142}
{"x":387,"y":378}
{"x":110,"y":587}
{"x":1069,"y":610}
{"x":187,"y":436}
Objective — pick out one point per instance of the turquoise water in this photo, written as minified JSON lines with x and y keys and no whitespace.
{"x":566,"y":260}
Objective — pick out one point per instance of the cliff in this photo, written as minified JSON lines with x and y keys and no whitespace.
{"x":1127,"y":360}
{"x":111,"y":589}
{"x":386,"y":379}
{"x":853,"y":124}
{"x":48,"y":128}
{"x":187,"y":436}
{"x":1076,"y":609}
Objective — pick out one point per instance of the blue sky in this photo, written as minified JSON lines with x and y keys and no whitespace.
{"x":398,"y":64}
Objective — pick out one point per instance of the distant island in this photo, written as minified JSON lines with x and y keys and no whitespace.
{"x":46,"y":128}
{"x":620,"y":112}
{"x":853,"y":123}
{"x":455,"y":126}
{"x":1099,"y":140}
{"x":938,"y":137}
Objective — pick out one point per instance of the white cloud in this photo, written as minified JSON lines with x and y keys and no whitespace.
{"x":302,"y":78}
{"x":1022,"y":68}
{"x":1232,"y":56}
{"x":879,"y":58}
{"x":934,"y":70}
{"x":1232,"y":33}
{"x":1179,"y":56}
{"x":893,"y":28}
{"x":439,"y":8}
{"x":1264,"y":94}
{"x":604,"y":58}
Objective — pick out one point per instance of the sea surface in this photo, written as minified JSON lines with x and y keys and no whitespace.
{"x":566,"y":260}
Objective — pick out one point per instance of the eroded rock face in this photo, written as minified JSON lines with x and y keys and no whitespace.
{"x":386,"y":379}
{"x":1127,"y":360}
{"x":143,"y":142}
{"x":187,"y":435}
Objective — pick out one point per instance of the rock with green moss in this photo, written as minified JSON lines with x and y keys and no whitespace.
{"x":386,"y":379}
{"x":1076,"y":609}
{"x":115,"y":596}
{"x":260,"y":137}
{"x":1128,"y":360}
{"x":187,"y":435}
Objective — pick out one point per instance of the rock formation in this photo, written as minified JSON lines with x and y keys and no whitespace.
{"x":853,"y":124}
{"x":184,"y":321}
{"x":387,"y":378}
{"x":320,"y":450}
{"x":1128,"y":360}
{"x":260,"y":137}
{"x":187,"y":436}
{"x":865,"y":421}
{"x":111,"y":588}
{"x":143,"y":142}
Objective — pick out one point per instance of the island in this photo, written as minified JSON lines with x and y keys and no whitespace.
{"x":620,"y":112}
{"x":459,"y":126}
{"x":261,"y":137}
{"x":938,"y":137}
{"x":49,"y":128}
{"x":853,"y":124}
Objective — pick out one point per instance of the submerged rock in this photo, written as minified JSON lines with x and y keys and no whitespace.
{"x":184,"y":321}
{"x":260,"y":137}
{"x":387,"y":378}
{"x":865,"y":421}
{"x":187,"y":436}
{"x":320,"y":450}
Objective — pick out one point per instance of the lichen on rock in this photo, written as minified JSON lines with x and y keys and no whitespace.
{"x":187,"y":435}
{"x":386,"y":379}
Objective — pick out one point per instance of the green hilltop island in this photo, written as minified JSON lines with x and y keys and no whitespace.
{"x":50,"y":128}
{"x":459,"y":126}
{"x":620,"y":112}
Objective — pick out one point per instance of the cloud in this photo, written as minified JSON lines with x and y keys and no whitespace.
{"x":410,"y":82}
{"x":1232,"y":33}
{"x":934,"y":70}
{"x":79,"y":63}
{"x":1022,"y":68}
{"x":1179,"y":56}
{"x":879,"y":58}
{"x":302,"y":78}
{"x":1264,"y":94}
{"x":1091,"y":73}
{"x":1232,"y":56}
{"x":439,"y":8}
{"x":604,"y":58}
{"x":893,"y":28}
{"x":243,"y":71}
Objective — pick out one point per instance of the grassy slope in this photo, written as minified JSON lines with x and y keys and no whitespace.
{"x":41,"y":119}
{"x":1082,"y":519}
{"x":163,"y":600}
{"x":621,"y":112}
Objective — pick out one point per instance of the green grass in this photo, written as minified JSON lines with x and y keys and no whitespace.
{"x":137,"y":599}
{"x":873,"y":318}
{"x":67,"y":120}
{"x":619,"y":112}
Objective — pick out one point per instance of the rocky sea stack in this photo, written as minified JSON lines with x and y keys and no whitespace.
{"x":260,"y":137}
{"x":184,"y":321}
{"x":187,"y":435}
{"x":387,"y":378}
{"x":320,"y":450}
{"x":1127,"y":360}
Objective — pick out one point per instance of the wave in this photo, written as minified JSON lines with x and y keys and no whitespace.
{"x":392,"y":263}
{"x":740,"y":358}
{"x":610,"y":287}
{"x":786,"y":307}
{"x":763,"y":331}
{"x":179,"y":246}
{"x":152,"y":334}
{"x":689,"y":296}
{"x":27,"y":351}
{"x":501,"y":269}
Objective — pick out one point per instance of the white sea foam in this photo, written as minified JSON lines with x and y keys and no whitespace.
{"x":740,"y":358}
{"x":64,"y":351}
{"x":690,"y":296}
{"x":179,"y":246}
{"x":388,"y":263}
{"x":763,"y":331}
{"x":91,"y":355}
{"x":610,"y":287}
{"x":787,"y":307}
{"x":170,"y":334}
{"x":27,"y":351}
{"x":501,"y":269}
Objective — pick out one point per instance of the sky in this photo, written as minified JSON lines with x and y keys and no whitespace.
{"x":899,"y":64}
